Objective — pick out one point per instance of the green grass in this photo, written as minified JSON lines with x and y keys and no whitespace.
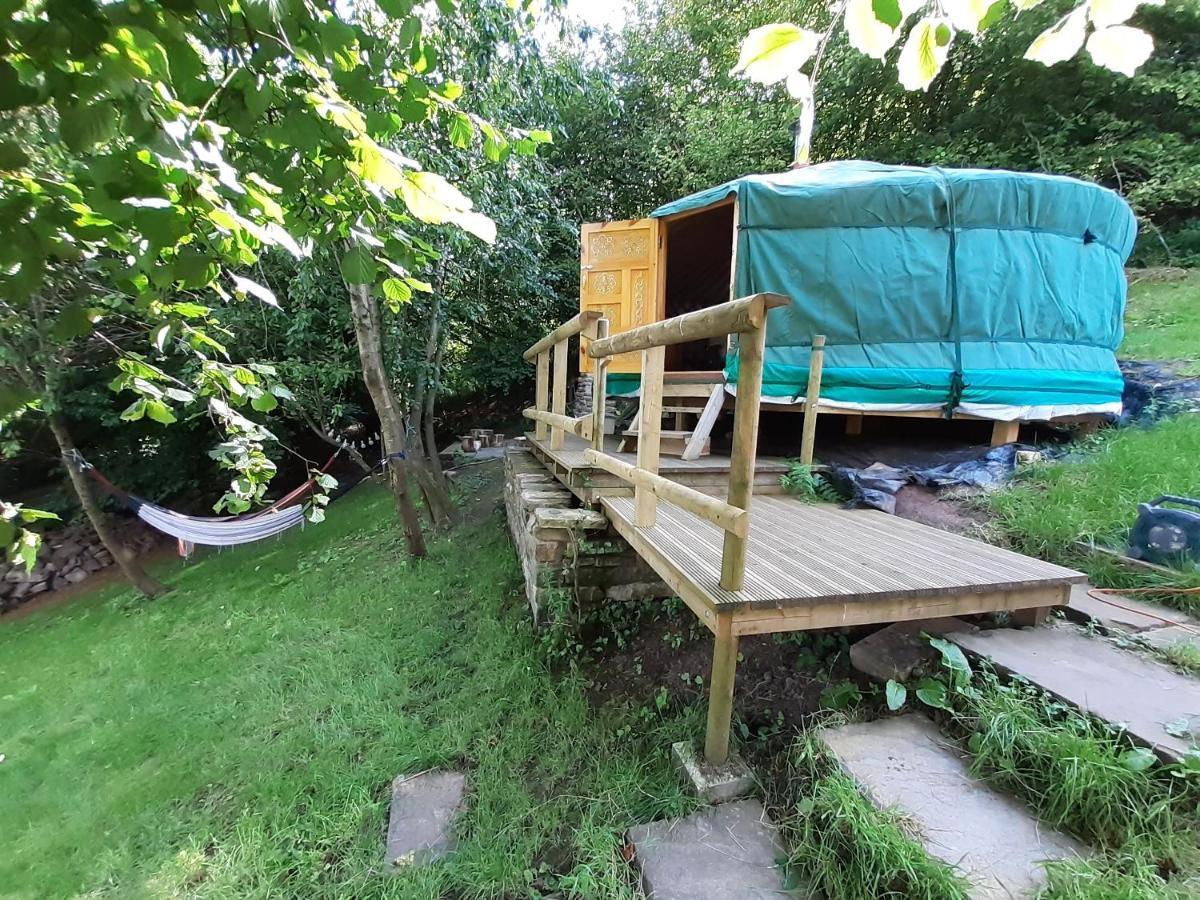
{"x":1162,"y":322}
{"x":237,"y":737}
{"x":844,"y":847}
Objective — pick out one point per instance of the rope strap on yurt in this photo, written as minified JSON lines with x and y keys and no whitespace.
{"x":957,"y":384}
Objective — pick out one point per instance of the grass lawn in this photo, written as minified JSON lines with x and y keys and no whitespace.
{"x":1093,"y":495}
{"x":1163,"y":322}
{"x":237,"y":738}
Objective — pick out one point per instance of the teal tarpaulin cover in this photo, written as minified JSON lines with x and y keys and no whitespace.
{"x":996,"y":293}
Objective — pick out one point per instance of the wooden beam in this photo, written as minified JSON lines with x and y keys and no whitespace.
{"x":581,"y":427}
{"x":751,"y":347}
{"x":649,"y":430}
{"x":585,"y":321}
{"x":812,"y":399}
{"x":720,"y":692}
{"x":599,"y":390}
{"x":838,"y":614}
{"x":737,"y":316}
{"x":1005,"y":433}
{"x":714,"y":509}
{"x":558,"y":401}
{"x":541,"y":400}
{"x":704,"y":425}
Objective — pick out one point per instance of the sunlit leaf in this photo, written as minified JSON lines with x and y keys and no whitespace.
{"x":1060,"y":41}
{"x":973,"y":15}
{"x":867,"y":32}
{"x":264,"y":402}
{"x":1120,"y":48}
{"x":1104,"y":13}
{"x":159,"y":412}
{"x":770,"y":53}
{"x":254,"y":289}
{"x":924,"y":53}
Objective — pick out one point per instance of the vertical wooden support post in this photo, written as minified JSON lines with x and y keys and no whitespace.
{"x":599,"y":391}
{"x":558,"y":402}
{"x":645,"y":505}
{"x":1005,"y":433}
{"x":720,"y":688}
{"x":816,"y":362}
{"x":751,"y":345}
{"x":854,"y":425}
{"x":541,"y":400}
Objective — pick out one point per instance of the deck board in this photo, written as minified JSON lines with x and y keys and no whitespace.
{"x":571,"y":457}
{"x":800,"y":553}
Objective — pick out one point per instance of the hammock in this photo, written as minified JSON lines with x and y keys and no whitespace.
{"x":211,"y":531}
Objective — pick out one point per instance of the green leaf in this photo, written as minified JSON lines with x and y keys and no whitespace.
{"x":888,"y":12}
{"x":396,"y":292}
{"x":14,"y":94}
{"x":37,"y":515}
{"x":8,"y":533}
{"x":27,"y":549}
{"x":83,"y":127}
{"x":1104,"y":13}
{"x":264,"y":402}
{"x":773,"y":52}
{"x":953,"y":659}
{"x":73,"y":322}
{"x":396,"y":9}
{"x":12,"y":156}
{"x":358,"y":266}
{"x":842,"y":695}
{"x":136,"y":410}
{"x":932,"y":692}
{"x":1138,"y":759}
{"x":461,"y":130}
{"x":896,"y":694}
{"x":326,"y":481}
{"x":14,"y":397}
{"x":159,"y":412}
{"x":923,"y":55}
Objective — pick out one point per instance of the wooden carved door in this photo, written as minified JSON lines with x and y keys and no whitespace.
{"x":619,"y":277}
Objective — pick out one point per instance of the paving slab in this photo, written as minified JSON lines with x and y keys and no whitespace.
{"x":424,"y":807}
{"x":990,"y":838}
{"x":718,"y":853}
{"x":1147,"y":698}
{"x":1131,"y":615}
{"x":1171,"y":635}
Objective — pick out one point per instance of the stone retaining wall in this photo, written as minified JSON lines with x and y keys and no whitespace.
{"x":67,"y":556}
{"x":568,"y":552}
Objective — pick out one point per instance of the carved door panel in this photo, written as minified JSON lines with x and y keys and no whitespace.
{"x":619,"y":277}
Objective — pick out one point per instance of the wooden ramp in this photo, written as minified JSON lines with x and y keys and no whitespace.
{"x":820,"y":566}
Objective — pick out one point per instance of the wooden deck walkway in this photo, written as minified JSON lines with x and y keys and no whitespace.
{"x":820,"y":566}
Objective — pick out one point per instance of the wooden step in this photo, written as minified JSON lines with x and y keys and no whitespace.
{"x":991,"y":839}
{"x":670,"y":443}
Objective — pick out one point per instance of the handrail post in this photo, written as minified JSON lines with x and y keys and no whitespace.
{"x":649,"y":428}
{"x":541,"y":400}
{"x":559,"y":393}
{"x":599,"y":391}
{"x":751,"y":347}
{"x":812,"y":399}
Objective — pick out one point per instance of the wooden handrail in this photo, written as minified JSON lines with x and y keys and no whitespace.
{"x":583,"y":323}
{"x":730,"y":518}
{"x":581,"y":427}
{"x":734,"y":317}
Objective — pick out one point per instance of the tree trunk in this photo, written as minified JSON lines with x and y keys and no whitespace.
{"x":365,"y":314}
{"x":430,"y":400}
{"x":130,"y":567}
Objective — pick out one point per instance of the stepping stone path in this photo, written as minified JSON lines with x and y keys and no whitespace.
{"x":991,"y":839}
{"x":1148,"y":621}
{"x":717,"y":853}
{"x":424,"y":808}
{"x":1157,"y":705}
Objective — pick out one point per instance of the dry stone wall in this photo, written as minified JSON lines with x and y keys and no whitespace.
{"x":567,"y":551}
{"x":67,"y":556}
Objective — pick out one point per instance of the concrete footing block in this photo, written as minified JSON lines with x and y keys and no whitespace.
{"x":715,"y":784}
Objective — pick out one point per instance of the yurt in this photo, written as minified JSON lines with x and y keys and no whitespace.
{"x":984,"y":293}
